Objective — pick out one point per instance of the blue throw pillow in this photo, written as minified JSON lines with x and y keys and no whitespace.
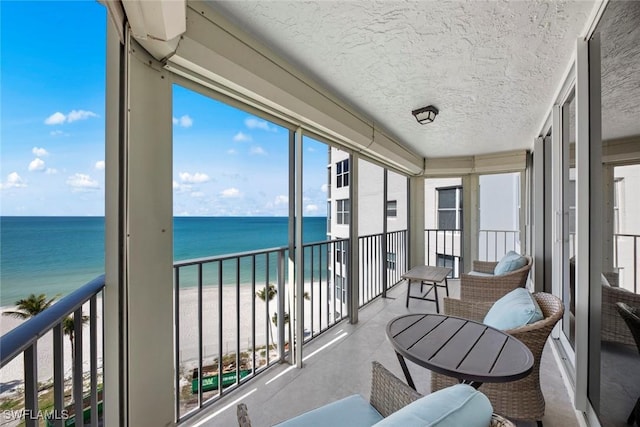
{"x":515,"y":309}
{"x":511,"y":261}
{"x":352,"y":411}
{"x":455,"y":406}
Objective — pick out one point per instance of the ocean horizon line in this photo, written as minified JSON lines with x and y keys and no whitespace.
{"x":175,"y":216}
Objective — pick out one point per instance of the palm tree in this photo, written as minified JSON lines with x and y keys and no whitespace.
{"x":31,"y":306}
{"x":36,"y":304}
{"x":68,"y":328}
{"x":268,"y":293}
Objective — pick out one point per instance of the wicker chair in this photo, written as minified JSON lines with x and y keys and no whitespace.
{"x":613,"y":326}
{"x":522,"y":399}
{"x":631,"y":316}
{"x":388,"y":394}
{"x":491,"y":288}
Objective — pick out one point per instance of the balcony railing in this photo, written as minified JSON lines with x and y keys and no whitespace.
{"x":493,"y":244}
{"x":444,"y":247}
{"x":24,"y":340}
{"x":240,"y":342}
{"x":625,"y":260}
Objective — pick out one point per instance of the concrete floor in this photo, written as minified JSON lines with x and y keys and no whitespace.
{"x":338,"y":364}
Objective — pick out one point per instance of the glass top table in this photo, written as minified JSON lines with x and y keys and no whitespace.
{"x":464,"y":349}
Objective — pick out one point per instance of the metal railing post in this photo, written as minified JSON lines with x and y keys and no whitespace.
{"x":281,"y":304}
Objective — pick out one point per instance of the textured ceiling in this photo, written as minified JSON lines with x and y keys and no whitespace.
{"x":491,"y":67}
{"x":620,"y":45}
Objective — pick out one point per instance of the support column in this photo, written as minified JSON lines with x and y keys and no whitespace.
{"x":608,"y":189}
{"x":538,"y":269}
{"x":385,"y":223}
{"x":139,"y":365}
{"x":298,"y":295}
{"x":353,"y":270}
{"x":115,"y":392}
{"x":470,"y":220}
{"x":415,"y":221}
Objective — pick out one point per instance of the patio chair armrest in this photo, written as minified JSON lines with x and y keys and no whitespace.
{"x":388,"y":392}
{"x":472,"y":310}
{"x":498,"y":421}
{"x":484,"y":266}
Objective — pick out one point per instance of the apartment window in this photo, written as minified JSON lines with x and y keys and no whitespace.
{"x":450,"y":208}
{"x":342,"y":173}
{"x":328,"y":217}
{"x":342,"y":211}
{"x":341,"y":289}
{"x":391,"y":261}
{"x":341,"y":256}
{"x":392,"y":208}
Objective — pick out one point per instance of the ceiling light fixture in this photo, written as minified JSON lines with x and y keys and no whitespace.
{"x":426,"y":114}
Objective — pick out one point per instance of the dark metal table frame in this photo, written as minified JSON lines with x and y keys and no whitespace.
{"x":470,"y":351}
{"x":427,"y":276}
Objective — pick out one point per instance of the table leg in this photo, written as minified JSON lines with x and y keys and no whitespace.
{"x":446,"y":285}
{"x":408,"y":291}
{"x":405,"y":370}
{"x":435,"y":289}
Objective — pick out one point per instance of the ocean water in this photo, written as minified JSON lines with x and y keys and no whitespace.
{"x":56,"y":255}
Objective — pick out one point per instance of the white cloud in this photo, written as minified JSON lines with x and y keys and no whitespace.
{"x":241,"y":137}
{"x":36,"y":165}
{"x":51,"y":171}
{"x":197,"y":194}
{"x":180,"y":188}
{"x":196,"y":178}
{"x":58,"y":133}
{"x":76,"y":115}
{"x":254,"y":123}
{"x":311,"y":149}
{"x":230,"y":193}
{"x":13,"y":181}
{"x":311,"y":208}
{"x":56,"y":118}
{"x":281,"y":200}
{"x":39,"y":152}
{"x":185,"y":121}
{"x":324,"y":188}
{"x":81,"y":182}
{"x":257,"y":151}
{"x":100,"y":165}
{"x":232,"y":151}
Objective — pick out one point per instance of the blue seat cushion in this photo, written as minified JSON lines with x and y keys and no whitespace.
{"x":455,"y":406}
{"x":352,"y":411}
{"x":511,"y":261}
{"x":515,"y":309}
{"x":480,"y":274}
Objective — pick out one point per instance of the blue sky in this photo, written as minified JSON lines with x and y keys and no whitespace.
{"x":226,"y":161}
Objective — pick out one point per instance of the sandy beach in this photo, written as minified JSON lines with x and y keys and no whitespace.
{"x":11,"y":376}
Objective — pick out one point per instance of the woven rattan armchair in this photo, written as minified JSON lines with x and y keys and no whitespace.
{"x":388,"y":394}
{"x":631,"y":316}
{"x":491,"y":288}
{"x":613,"y":326}
{"x":522,"y":399}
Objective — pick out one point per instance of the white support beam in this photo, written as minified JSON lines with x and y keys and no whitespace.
{"x":148,"y":264}
{"x":115,"y":394}
{"x":416,"y":222}
{"x":471,"y":220}
{"x":353,"y":270}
